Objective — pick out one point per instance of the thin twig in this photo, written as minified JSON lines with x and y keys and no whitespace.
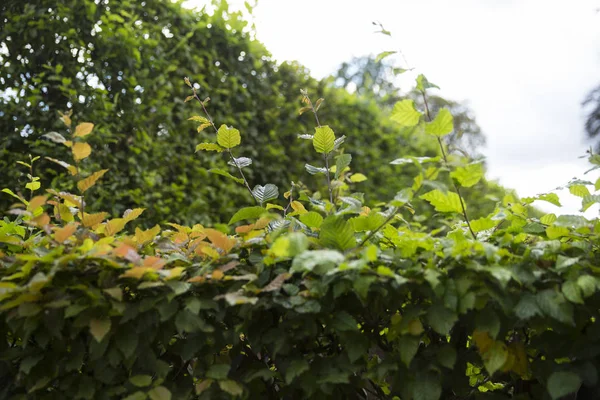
{"x":326,"y":155}
{"x":460,"y":197}
{"x":228,"y":150}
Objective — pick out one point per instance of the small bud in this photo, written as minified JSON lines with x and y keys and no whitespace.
{"x":187,"y":81}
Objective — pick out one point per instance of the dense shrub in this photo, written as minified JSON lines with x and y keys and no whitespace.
{"x":119,"y":64}
{"x":299,"y":296}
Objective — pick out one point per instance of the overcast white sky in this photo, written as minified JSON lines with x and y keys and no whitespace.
{"x":524,"y":66}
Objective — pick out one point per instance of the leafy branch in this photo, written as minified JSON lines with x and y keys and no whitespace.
{"x":445,"y":157}
{"x":211,"y":122}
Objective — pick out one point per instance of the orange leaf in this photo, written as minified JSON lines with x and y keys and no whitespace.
{"x":244,"y":228}
{"x":36,"y":202}
{"x":220,"y":240}
{"x":136,"y":272}
{"x":62,"y":234}
{"x":127,"y":252}
{"x":197,"y":279}
{"x":42,"y":220}
{"x":81,"y":150}
{"x":154,"y":262}
{"x":217,"y":275}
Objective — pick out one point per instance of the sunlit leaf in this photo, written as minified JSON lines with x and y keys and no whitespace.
{"x":442,"y":124}
{"x":323,"y":140}
{"x":228,"y":137}
{"x":81,"y":150}
{"x":90,"y":181}
{"x":405,"y":113}
{"x":83,"y":129}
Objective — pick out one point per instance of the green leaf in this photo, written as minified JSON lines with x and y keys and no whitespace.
{"x":423,"y":84}
{"x":446,"y":356}
{"x":443,"y":202}
{"x":551,"y":198}
{"x":247,"y":213}
{"x":55,"y":137}
{"x":527,"y":307}
{"x":141,"y":380}
{"x":160,"y":393}
{"x":324,"y":139}
{"x":554,"y":305}
{"x":563,"y":383}
{"x":405,"y":113}
{"x":572,"y":292}
{"x":309,"y":260}
{"x":408,"y":346}
{"x":358,"y":177}
{"x":495,"y":357}
{"x":226,"y":174}
{"x":442,"y":125}
{"x":209,"y":147}
{"x":427,"y":387}
{"x":33,"y":186}
{"x":218,"y":371}
{"x":579,"y":190}
{"x":589,"y":201}
{"x":341,"y":162}
{"x":295,"y":369}
{"x":265,"y":193}
{"x":441,"y":319}
{"x":337,"y":233}
{"x":587,"y":284}
{"x":383,"y":55}
{"x":228,"y":137}
{"x":10,"y":192}
{"x":139,"y":395}
{"x":311,"y":169}
{"x":554,"y":232}
{"x":99,"y":328}
{"x":548,"y":219}
{"x":468,"y":175}
{"x":231,"y":387}
{"x":312,"y":219}
{"x":483,"y":224}
{"x":342,"y":321}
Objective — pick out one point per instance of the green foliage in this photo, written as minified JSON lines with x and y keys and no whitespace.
{"x":302,"y":295}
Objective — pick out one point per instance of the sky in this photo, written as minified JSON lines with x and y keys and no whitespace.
{"x":523,"y":66}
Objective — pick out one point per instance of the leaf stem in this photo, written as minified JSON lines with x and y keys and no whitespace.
{"x":326,"y":155}
{"x":460,"y":197}
{"x":246,"y":184}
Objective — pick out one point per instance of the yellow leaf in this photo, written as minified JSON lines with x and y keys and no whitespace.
{"x":208,"y":251}
{"x":298,"y":207}
{"x":65,"y":213}
{"x":66,"y":117}
{"x":91,"y":220}
{"x":143,"y":237}
{"x":136,"y":272}
{"x":90,"y":181}
{"x":81,"y":150}
{"x":174,"y":273}
{"x":114,"y":226}
{"x":130,"y":215}
{"x":83,"y":129}
{"x":62,"y":234}
{"x":483,"y":341}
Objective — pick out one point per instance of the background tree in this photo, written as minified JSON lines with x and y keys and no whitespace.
{"x":592,"y":123}
{"x":375,"y":79}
